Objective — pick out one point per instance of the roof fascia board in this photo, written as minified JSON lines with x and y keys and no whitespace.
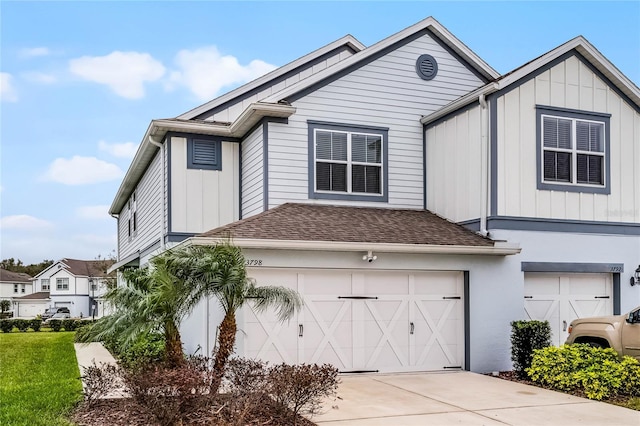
{"x":590,"y":56}
{"x":158,"y":128}
{"x":498,"y":249}
{"x":459,"y":103}
{"x":425,"y":26}
{"x":348,"y":40}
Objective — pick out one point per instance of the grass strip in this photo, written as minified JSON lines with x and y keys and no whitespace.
{"x":39,"y":378}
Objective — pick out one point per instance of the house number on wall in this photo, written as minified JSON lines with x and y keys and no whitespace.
{"x":254,"y":262}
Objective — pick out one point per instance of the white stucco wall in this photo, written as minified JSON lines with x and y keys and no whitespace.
{"x":495,"y":293}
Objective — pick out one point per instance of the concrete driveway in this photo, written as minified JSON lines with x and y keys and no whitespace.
{"x":460,"y":398}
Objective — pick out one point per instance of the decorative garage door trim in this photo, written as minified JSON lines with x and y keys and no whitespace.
{"x":367,"y":321}
{"x":562,"y":297}
{"x":591,"y":268}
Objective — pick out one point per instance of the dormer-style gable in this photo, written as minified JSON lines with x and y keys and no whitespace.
{"x":562,"y":141}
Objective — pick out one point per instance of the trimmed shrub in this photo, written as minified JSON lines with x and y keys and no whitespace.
{"x":35,"y":324}
{"x":147,"y":349}
{"x":299,"y":389}
{"x":6,"y":325}
{"x":22,"y":324}
{"x":246,"y":382}
{"x":526,"y":336}
{"x":70,"y":324}
{"x":99,"y":381}
{"x":171,"y":394}
{"x":55,"y":324}
{"x":598,"y":372}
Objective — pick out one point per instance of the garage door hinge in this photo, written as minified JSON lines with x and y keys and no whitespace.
{"x":357,"y":297}
{"x":451,"y":297}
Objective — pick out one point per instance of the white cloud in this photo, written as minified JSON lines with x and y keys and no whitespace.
{"x":24,"y":222}
{"x":31,"y":52}
{"x":81,"y":171}
{"x":206,"y":72}
{"x":124,"y":72}
{"x":122,"y":150}
{"x":40,"y":77}
{"x":93,"y":212}
{"x":7,"y":91}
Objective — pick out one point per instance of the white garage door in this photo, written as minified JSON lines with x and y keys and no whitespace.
{"x":363,"y":321}
{"x":561,"y":298}
{"x":31,"y":309}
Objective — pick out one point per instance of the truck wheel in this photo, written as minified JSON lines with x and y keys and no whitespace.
{"x":595,"y":344}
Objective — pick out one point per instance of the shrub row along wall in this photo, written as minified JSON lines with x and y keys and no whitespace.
{"x":8,"y":325}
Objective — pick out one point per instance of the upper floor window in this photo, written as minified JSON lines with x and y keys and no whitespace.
{"x":573,"y":150}
{"x":62,"y":283}
{"x":203,"y":153}
{"x":44,"y":283}
{"x":15,"y":288}
{"x":347,"y":162}
{"x":23,"y":289}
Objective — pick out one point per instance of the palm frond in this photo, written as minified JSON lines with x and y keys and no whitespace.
{"x":284,"y":300}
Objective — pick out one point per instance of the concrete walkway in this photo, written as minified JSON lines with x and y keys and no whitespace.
{"x":461,"y":398}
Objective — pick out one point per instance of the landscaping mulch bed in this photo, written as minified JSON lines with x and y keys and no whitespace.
{"x":127,"y":412}
{"x":616,"y":400}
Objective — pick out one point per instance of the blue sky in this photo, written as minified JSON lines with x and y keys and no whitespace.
{"x":81,"y":81}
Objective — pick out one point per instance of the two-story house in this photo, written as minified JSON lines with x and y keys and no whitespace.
{"x":76,"y":284}
{"x":418,"y":200}
{"x":14,"y":285}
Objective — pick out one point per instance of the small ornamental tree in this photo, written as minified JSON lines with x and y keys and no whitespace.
{"x":5,"y":305}
{"x":525,"y":337}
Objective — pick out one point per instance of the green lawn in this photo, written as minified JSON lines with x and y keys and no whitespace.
{"x":39,"y":378}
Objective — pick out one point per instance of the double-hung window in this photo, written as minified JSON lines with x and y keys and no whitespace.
{"x":348,"y":162}
{"x":62,"y":283}
{"x":573,"y":150}
{"x":44,"y":282}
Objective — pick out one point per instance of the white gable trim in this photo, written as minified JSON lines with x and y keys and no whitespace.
{"x":426,"y":24}
{"x":347,"y":40}
{"x":580,"y":44}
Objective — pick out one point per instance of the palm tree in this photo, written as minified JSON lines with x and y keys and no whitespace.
{"x":153,"y":299}
{"x":220,"y":271}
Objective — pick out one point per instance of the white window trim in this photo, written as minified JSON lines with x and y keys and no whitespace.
{"x":45,"y":282}
{"x":62,"y":286}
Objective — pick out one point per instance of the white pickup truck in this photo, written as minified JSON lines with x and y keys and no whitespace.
{"x":620,"y":332}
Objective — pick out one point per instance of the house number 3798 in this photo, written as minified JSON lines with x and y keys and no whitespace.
{"x":254,"y":262}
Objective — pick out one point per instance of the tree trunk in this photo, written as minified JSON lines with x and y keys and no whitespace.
{"x":173,"y":345}
{"x":226,"y":342}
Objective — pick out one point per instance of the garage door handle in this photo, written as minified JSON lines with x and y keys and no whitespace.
{"x":564,"y":326}
{"x":601,"y":297}
{"x":451,"y":297}
{"x":300,"y":330}
{"x":411,"y":328}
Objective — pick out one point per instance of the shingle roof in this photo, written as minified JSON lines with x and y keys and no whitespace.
{"x":89,"y":268}
{"x":14,"y":277}
{"x":314,"y":222}
{"x":41,"y":295}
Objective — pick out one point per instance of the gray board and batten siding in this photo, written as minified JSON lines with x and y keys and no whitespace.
{"x":230,"y":110}
{"x":385,"y":92}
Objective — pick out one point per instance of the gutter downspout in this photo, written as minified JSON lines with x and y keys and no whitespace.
{"x":484,"y":160}
{"x":160,"y":145}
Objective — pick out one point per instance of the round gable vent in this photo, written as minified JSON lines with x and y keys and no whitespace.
{"x":426,"y":67}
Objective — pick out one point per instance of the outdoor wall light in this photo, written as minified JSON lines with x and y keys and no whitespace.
{"x":635,"y":279}
{"x":369,"y":257}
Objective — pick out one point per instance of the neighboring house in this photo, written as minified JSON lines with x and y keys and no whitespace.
{"x":76,"y":284}
{"x":14,"y":285}
{"x":418,"y":200}
{"x":31,"y":305}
